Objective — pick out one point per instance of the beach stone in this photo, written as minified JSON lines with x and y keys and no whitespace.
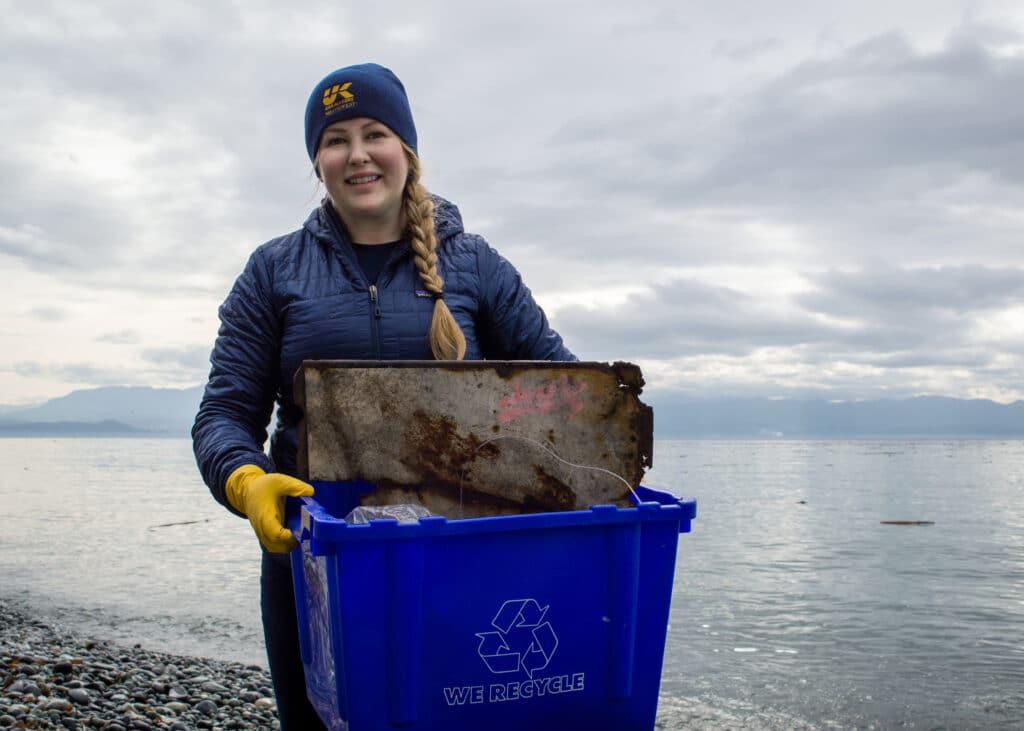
{"x":7,"y":721}
{"x":177,"y":692}
{"x":206,"y":707}
{"x":178,"y":706}
{"x":250,"y":696}
{"x":18,"y":710}
{"x":79,"y":696}
{"x":58,"y":704}
{"x":264,"y":703}
{"x":213,"y":687}
{"x":25,"y":687}
{"x":63,"y":667}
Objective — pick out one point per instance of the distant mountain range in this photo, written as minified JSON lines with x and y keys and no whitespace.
{"x":111,"y":411}
{"x":165,"y":412}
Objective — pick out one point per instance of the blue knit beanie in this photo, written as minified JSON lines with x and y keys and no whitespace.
{"x":364,"y":90}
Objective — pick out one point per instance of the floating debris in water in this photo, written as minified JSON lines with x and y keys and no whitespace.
{"x":184,"y":522}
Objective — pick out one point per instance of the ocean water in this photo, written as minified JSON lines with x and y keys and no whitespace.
{"x":794,"y":605}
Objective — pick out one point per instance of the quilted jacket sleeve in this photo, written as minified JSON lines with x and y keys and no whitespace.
{"x":514,"y":325}
{"x":231,"y":426}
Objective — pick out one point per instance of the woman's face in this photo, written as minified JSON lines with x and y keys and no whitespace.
{"x":364,"y":168}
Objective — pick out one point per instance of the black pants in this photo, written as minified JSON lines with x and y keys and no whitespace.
{"x":281,"y":633}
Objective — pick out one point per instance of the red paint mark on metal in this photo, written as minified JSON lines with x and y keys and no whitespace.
{"x":543,"y":400}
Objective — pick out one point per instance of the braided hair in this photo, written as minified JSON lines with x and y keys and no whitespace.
{"x":446,"y":339}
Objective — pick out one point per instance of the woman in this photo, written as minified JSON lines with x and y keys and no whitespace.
{"x":380,"y":270}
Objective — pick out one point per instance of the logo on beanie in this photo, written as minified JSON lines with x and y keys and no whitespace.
{"x":338,"y":97}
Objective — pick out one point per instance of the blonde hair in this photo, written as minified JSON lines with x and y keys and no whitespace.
{"x":447,"y":342}
{"x":446,"y":339}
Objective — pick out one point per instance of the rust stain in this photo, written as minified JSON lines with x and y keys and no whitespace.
{"x":436,"y":449}
{"x":550,"y":493}
{"x":645,"y":435}
{"x":628,"y":376}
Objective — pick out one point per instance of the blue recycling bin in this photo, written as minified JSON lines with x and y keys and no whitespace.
{"x":538,"y":621}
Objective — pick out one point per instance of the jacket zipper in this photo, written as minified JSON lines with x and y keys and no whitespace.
{"x":375,"y":321}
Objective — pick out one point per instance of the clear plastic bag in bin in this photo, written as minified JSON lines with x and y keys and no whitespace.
{"x":404,"y":513}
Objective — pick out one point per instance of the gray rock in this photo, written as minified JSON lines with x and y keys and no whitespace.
{"x":213,"y":687}
{"x":79,"y":696}
{"x":25,"y":687}
{"x":206,"y":707}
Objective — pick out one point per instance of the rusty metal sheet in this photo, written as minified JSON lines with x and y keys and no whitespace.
{"x":475,"y":438}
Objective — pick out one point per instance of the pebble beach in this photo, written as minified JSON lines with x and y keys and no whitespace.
{"x":52,"y":679}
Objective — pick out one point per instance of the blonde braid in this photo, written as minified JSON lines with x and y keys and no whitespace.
{"x":446,"y":339}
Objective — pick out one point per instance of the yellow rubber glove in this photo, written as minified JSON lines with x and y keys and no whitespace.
{"x":260,"y":497}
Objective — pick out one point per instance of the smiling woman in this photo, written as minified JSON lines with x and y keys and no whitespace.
{"x":364,"y":167}
{"x":381,"y":270}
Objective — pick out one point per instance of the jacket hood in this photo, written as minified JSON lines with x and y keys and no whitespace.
{"x":447,"y":221}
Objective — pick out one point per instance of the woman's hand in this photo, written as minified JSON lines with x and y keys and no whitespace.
{"x":260,"y":496}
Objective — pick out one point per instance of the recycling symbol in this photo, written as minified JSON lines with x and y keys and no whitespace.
{"x":522,"y":639}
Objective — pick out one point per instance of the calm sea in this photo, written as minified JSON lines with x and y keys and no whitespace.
{"x":794,"y":606}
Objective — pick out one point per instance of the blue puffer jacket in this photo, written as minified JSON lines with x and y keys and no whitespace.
{"x":303,"y":296}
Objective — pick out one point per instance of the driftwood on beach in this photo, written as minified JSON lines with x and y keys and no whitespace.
{"x":478,"y":437}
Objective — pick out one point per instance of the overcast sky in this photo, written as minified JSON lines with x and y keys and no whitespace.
{"x":781,"y":199}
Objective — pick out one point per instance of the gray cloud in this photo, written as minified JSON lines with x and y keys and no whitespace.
{"x":884,"y":292}
{"x":121,"y":337}
{"x":884,"y":324}
{"x":745,"y":50}
{"x":687,"y":317}
{"x":192,"y":359}
{"x":882,"y":145}
{"x":48,"y":314}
